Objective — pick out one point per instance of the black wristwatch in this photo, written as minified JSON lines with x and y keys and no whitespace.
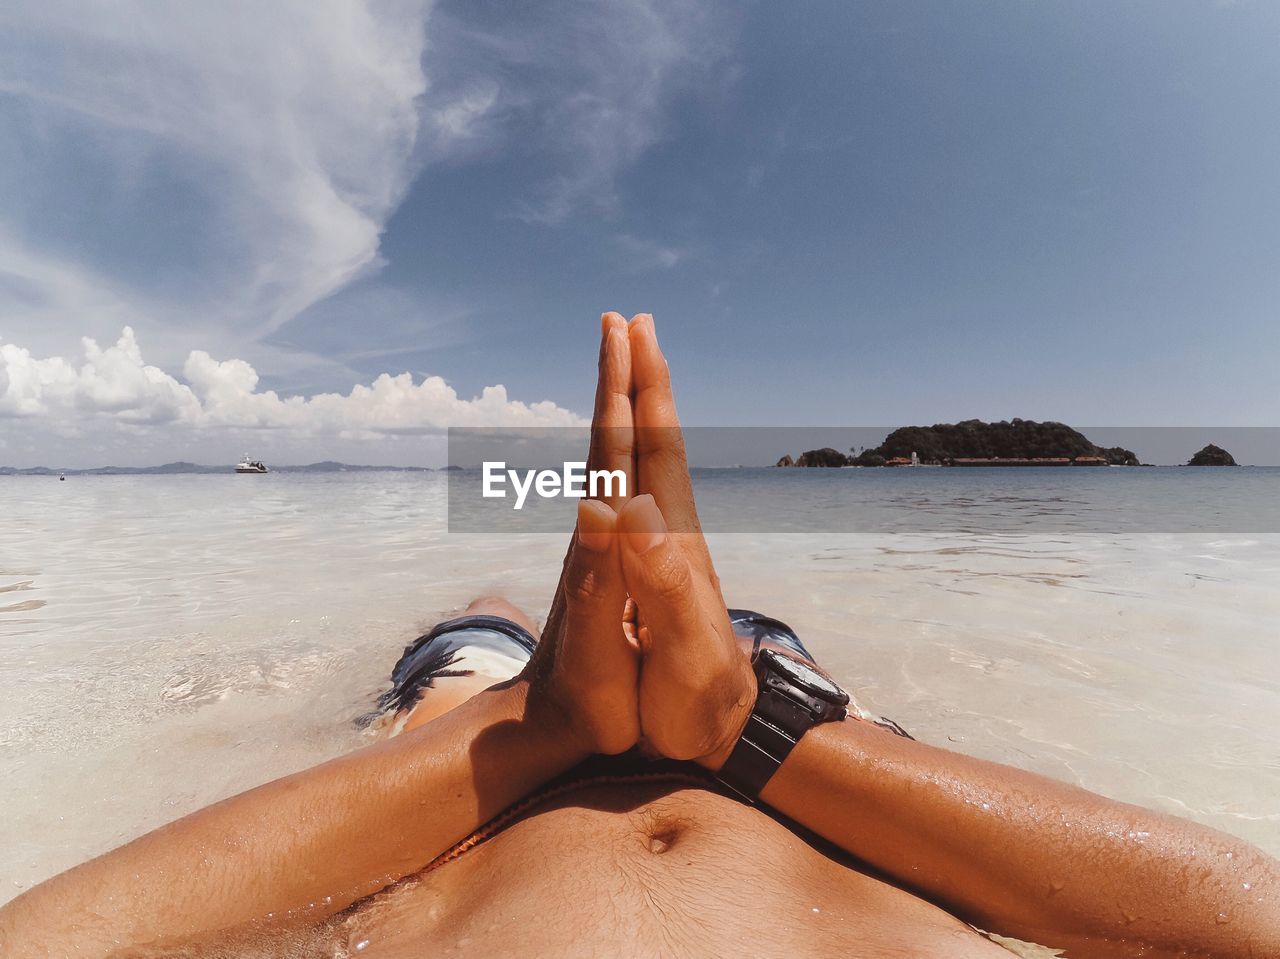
{"x":792,"y":698}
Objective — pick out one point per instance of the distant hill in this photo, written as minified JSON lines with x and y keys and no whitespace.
{"x":971,"y":440}
{"x":328,"y":466}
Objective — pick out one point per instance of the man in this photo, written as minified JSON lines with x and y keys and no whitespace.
{"x":486,"y":827}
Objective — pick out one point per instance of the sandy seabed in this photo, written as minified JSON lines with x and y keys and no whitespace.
{"x":169,"y":641}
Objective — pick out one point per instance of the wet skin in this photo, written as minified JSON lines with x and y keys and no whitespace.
{"x":653,"y":870}
{"x":656,"y":870}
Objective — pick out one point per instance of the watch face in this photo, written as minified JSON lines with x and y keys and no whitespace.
{"x":805,"y":676}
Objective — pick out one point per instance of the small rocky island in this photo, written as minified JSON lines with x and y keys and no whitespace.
{"x":1013,"y":442}
{"x":1212,"y":456}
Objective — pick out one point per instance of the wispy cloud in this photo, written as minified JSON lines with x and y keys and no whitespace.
{"x":294,"y":129}
{"x":641,"y":254}
{"x":292,"y":124}
{"x":207,"y":174}
{"x":586,"y":88}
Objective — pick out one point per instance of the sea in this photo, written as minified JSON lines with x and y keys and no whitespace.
{"x":169,"y":640}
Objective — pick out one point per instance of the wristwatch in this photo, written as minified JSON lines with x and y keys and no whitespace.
{"x":793,"y":697}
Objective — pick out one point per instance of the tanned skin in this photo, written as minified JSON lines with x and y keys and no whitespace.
{"x":1009,"y":851}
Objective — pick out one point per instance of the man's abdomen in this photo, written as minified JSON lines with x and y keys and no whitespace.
{"x":662,"y":871}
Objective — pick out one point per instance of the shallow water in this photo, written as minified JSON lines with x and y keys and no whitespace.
{"x":168,"y":640}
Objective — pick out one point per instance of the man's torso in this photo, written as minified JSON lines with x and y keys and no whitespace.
{"x":654,"y":870}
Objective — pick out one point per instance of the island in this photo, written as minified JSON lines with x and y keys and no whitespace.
{"x":823,"y":457}
{"x":1015,"y":442}
{"x":1212,"y":456}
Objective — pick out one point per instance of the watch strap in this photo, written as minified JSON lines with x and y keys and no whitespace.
{"x":772,"y":731}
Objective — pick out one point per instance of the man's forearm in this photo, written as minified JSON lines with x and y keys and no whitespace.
{"x":1026,"y":856}
{"x":303,"y":846}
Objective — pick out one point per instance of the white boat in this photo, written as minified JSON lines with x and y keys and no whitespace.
{"x":247,"y":465}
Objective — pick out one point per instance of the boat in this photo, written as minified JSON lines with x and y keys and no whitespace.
{"x":247,"y":465}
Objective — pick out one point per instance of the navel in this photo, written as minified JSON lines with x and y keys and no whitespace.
{"x":662,"y":840}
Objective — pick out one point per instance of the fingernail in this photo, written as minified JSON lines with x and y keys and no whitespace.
{"x":596,"y":525}
{"x":606,"y":320}
{"x":642,"y":522}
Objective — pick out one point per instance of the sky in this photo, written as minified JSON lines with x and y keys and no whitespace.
{"x":329,"y":229}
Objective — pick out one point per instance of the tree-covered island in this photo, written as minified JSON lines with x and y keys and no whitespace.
{"x":1212,"y":456}
{"x":1015,"y":442}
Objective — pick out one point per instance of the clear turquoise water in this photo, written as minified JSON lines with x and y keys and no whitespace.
{"x":168,"y":640}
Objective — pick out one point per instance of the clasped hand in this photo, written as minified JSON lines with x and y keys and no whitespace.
{"x":638,"y":645}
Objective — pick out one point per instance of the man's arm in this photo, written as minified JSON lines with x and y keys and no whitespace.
{"x":302,"y":847}
{"x":1013,"y":852}
{"x":306,"y":846}
{"x":1026,"y":856}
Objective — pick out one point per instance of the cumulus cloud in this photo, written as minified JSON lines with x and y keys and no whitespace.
{"x":204,"y":174}
{"x":114,"y":382}
{"x":115,"y":385}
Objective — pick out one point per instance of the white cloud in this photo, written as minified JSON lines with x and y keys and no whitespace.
{"x":40,"y":292}
{"x":114,"y":386}
{"x":641,"y":254}
{"x":293,"y":121}
{"x":114,"y":382}
{"x":271,"y":143}
{"x":589,"y":85}
{"x":295,"y":128}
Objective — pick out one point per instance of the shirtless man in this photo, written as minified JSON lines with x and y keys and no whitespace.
{"x":862,"y":843}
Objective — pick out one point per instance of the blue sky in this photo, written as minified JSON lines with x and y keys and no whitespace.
{"x":839,"y":213}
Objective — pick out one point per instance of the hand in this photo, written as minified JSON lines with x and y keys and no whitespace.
{"x":697,"y":688}
{"x":585,"y":672}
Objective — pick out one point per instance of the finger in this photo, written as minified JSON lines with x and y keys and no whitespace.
{"x":695,"y":682}
{"x":658,"y":577}
{"x":612,"y":441}
{"x":596,"y":657}
{"x":661,"y":464}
